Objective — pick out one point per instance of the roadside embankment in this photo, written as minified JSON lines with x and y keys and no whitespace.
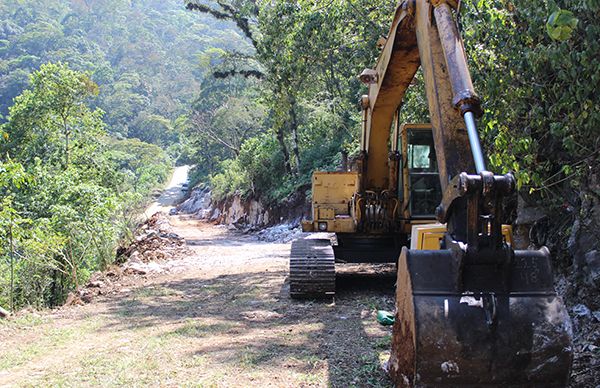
{"x":247,"y":214}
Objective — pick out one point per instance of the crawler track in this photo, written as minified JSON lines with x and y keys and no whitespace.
{"x":312,"y":269}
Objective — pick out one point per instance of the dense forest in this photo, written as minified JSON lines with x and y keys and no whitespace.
{"x":99,"y":97}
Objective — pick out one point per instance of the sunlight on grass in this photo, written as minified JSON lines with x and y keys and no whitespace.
{"x":50,"y":340}
{"x":26,"y":320}
{"x":193,"y":328}
{"x":154,"y":291}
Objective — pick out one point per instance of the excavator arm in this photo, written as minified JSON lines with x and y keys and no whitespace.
{"x":414,"y":41}
{"x":474,"y":312}
{"x":471,"y":310}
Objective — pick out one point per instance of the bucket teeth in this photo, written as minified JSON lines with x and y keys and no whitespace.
{"x":312,"y":269}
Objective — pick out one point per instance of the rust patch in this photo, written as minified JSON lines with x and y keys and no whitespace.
{"x":403,"y":353}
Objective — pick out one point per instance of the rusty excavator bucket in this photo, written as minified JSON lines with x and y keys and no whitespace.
{"x":478,"y":313}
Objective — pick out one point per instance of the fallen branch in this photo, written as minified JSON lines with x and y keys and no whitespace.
{"x":4,"y":313}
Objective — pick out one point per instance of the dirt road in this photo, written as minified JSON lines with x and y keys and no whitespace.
{"x":222,"y":317}
{"x":172,"y":193}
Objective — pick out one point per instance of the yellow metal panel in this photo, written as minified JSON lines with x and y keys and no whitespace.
{"x":337,"y":225}
{"x":307,"y":226}
{"x":326,"y":213}
{"x":508,"y":234}
{"x":337,"y":208}
{"x":334,"y":190}
{"x":431,"y":241}
{"x":343,"y":225}
{"x":428,"y":237}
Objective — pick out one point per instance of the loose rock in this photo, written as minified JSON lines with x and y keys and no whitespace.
{"x":581,"y":310}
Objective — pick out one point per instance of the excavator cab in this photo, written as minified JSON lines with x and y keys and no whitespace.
{"x":419,"y":182}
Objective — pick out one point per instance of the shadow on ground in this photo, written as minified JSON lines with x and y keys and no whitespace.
{"x":248,"y":320}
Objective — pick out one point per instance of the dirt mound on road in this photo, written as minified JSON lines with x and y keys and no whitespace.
{"x":155,"y":245}
{"x":154,"y":241}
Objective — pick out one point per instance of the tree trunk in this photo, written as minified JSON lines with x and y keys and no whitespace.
{"x":344,"y":166}
{"x":334,"y":80}
{"x":12,"y":267}
{"x":66,"y":151}
{"x":54,"y":287}
{"x":66,"y":132}
{"x":284,"y":150}
{"x":294,"y":130}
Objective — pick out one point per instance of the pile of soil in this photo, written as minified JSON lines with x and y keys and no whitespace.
{"x":154,"y":241}
{"x":154,"y":246}
{"x":110,"y":282}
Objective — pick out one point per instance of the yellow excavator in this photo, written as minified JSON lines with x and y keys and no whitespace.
{"x":471,"y":310}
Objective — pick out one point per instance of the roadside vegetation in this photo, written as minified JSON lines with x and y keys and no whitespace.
{"x":69,"y":190}
{"x":93,"y":99}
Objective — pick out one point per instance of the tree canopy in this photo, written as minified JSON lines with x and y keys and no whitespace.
{"x":66,"y":187}
{"x":145,"y":56}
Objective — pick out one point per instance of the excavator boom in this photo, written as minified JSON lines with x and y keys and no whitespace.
{"x":413,"y":42}
{"x":474,"y":312}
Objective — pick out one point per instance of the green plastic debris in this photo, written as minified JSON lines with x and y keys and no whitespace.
{"x":385,"y":318}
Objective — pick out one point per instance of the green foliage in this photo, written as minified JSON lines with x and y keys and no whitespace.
{"x":263,"y":165}
{"x":231,"y":180}
{"x":141,"y":166}
{"x":144,"y":55}
{"x":307,"y":57}
{"x":68,"y":200}
{"x":545,"y":129}
{"x":226,"y":113}
{"x":561,"y":24}
{"x":47,"y":120}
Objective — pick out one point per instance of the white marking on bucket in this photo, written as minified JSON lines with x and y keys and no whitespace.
{"x":472,"y":302}
{"x":450,"y":367}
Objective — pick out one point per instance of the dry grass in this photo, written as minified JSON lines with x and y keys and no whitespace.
{"x":208,"y":327}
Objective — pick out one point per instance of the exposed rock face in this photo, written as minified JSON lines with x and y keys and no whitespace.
{"x":527,"y":216}
{"x":198,"y":203}
{"x":591,"y":269}
{"x":244,"y":213}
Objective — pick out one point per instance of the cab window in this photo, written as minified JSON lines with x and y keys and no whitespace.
{"x":425,"y":189}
